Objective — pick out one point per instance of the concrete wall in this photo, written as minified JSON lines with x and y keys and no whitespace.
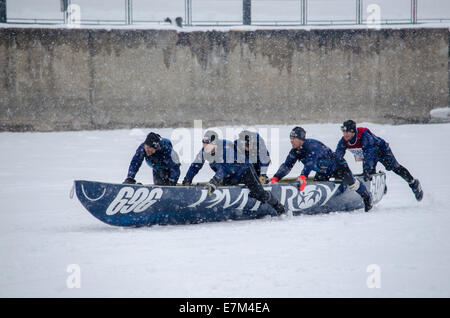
{"x":58,"y":79}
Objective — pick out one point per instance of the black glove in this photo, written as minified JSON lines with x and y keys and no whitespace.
{"x":186,"y":182}
{"x":212,"y":186}
{"x":367,"y":176}
{"x":129,"y":181}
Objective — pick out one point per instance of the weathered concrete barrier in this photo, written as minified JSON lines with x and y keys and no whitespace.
{"x":59,"y":79}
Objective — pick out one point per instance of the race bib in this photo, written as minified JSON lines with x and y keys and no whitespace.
{"x":358,"y":153}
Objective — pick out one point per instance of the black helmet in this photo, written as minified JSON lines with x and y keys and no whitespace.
{"x":298,"y":132}
{"x":153,"y":140}
{"x":247,"y":136}
{"x":210,"y":137}
{"x":247,"y":139}
{"x":349,"y":125}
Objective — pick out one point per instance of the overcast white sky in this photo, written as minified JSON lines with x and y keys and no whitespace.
{"x":226,"y":10}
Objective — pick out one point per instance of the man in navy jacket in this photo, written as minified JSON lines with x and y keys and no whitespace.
{"x":158,"y":154}
{"x":253,"y":150}
{"x":316,"y":156}
{"x":370,"y":149}
{"x":221,"y":155}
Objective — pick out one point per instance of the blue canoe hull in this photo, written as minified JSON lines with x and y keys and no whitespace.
{"x":145,"y":205}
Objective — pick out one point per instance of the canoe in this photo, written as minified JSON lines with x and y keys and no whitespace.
{"x":145,"y":205}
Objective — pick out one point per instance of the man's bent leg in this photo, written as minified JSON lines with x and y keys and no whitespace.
{"x":257,"y":191}
{"x":344,"y":172}
{"x":391,"y":163}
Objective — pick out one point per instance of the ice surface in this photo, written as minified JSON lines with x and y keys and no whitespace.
{"x":42,"y":231}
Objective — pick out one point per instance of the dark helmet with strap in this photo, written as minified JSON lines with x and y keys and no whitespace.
{"x":153,"y":140}
{"x":298,"y":132}
{"x":248,"y":139}
{"x":210,"y":137}
{"x":349,"y":126}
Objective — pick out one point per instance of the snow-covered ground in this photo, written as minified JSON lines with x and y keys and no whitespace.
{"x":43,"y":232}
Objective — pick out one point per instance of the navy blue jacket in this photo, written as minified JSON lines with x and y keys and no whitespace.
{"x":365,"y":146}
{"x":223,"y":163}
{"x":314,"y":155}
{"x":260,"y":158}
{"x":165,"y":158}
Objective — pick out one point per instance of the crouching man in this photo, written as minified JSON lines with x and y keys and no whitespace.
{"x":252,"y":148}
{"x":316,"y":156}
{"x":222,"y":159}
{"x":160,"y":156}
{"x":370,"y":149}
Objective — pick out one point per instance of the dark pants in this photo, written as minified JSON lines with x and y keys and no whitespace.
{"x":341,"y":172}
{"x":251,"y":180}
{"x":404,"y":173}
{"x":344,"y":173}
{"x":388,"y":160}
{"x":231,"y":180}
{"x":161,"y":177}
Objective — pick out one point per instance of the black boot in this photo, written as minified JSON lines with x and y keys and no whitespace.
{"x":417,"y":189}
{"x":368,"y":202}
{"x":276,"y":204}
{"x":279,"y":208}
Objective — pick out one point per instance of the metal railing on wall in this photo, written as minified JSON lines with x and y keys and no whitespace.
{"x":303,"y":19}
